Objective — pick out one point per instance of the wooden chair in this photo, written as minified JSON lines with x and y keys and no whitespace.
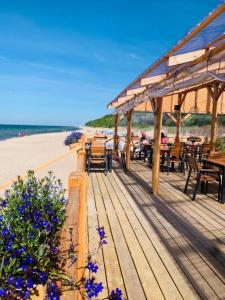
{"x":176,"y":155}
{"x":203,"y":176}
{"x":204,"y":152}
{"x":122,"y":147}
{"x":97,"y":155}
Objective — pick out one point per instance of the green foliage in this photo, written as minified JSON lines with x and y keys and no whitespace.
{"x":145,"y":119}
{"x":107,"y":122}
{"x":220,"y":144}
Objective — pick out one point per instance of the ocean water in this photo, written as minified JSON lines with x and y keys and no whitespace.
{"x":10,"y":131}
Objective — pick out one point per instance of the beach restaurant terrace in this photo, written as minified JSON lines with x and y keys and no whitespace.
{"x":160,"y":244}
{"x":189,"y":78}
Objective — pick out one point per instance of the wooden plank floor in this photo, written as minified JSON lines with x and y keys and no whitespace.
{"x":167,"y":247}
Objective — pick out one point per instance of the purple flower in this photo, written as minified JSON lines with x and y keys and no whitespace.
{"x":23,"y":249}
{"x":53,"y":291}
{"x":9,"y":246}
{"x":54,"y":250}
{"x":44,"y":223}
{"x":24,"y":268}
{"x":10,"y":280}
{"x":92,"y":266}
{"x":29,"y":260}
{"x":4,"y":203}
{"x":3,"y":292}
{"x":101,"y":232}
{"x":26,"y":295}
{"x":5,"y":231}
{"x":55,"y":220}
{"x":116,"y":294}
{"x":42,"y":277}
{"x":18,"y":282}
{"x":92,"y":288}
{"x":30,"y":283}
{"x":21,"y":210}
{"x":73,"y":138}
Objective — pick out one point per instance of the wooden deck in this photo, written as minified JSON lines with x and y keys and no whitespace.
{"x":167,"y":247}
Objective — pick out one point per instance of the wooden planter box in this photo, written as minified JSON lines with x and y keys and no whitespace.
{"x":72,"y":146}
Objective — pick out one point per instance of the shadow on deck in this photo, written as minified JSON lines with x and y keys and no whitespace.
{"x":165,"y":247}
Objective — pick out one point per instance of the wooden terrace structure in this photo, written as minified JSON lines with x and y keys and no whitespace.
{"x":161,"y":245}
{"x":189,"y":78}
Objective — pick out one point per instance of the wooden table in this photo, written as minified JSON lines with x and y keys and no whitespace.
{"x":218,"y":160}
{"x":164,"y":150}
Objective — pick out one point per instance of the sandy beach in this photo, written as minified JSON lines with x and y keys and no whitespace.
{"x":41,"y":153}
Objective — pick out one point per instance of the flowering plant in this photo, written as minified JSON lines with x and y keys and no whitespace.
{"x":73,"y":137}
{"x":32,"y":214}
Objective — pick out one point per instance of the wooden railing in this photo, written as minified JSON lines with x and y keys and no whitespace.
{"x":76,"y":212}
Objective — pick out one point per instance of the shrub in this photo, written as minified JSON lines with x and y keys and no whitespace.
{"x":73,"y":138}
{"x":32,"y":213}
{"x":220,"y":144}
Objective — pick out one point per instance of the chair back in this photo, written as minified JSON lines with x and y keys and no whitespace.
{"x":192,"y":163}
{"x":100,"y":137}
{"x":122,"y":145}
{"x":97,"y":149}
{"x":177,"y":149}
{"x":205,"y":148}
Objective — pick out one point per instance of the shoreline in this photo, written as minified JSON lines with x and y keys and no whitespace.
{"x":18,"y":131}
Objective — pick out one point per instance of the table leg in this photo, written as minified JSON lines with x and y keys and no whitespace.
{"x":223,"y":187}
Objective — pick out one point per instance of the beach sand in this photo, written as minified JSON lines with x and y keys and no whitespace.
{"x":41,"y":153}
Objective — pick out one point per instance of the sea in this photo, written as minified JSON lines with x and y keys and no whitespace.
{"x":10,"y":131}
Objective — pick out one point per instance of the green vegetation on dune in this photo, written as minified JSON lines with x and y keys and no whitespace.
{"x":142,"y":120}
{"x":107,"y":122}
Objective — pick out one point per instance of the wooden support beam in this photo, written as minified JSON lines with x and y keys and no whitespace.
{"x":156,"y":149}
{"x":213,"y":125}
{"x":184,"y":58}
{"x":135,"y":91}
{"x":153,"y":105}
{"x":152,"y":79}
{"x":129,"y":122}
{"x":172,"y":117}
{"x":186,"y":117}
{"x":215,"y":92}
{"x":181,"y":98}
{"x":178,"y":125}
{"x":115,"y":138}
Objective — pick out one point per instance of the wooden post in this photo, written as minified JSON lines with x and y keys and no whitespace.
{"x":129,"y":122}
{"x":178,"y":124}
{"x":115,"y":138}
{"x":181,"y":98}
{"x":156,"y":149}
{"x":215,"y":93}
{"x":213,"y":125}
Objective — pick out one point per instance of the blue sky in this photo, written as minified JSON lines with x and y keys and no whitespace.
{"x":61,"y":62}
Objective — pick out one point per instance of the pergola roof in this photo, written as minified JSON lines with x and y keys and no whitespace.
{"x":196,"y":101}
{"x":194,"y":62}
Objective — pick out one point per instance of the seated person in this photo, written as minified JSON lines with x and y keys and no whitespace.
{"x":143,"y":149}
{"x":143,"y":137}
